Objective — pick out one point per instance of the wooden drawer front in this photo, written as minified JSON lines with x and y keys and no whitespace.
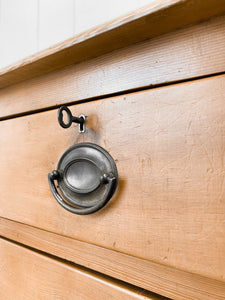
{"x":187,"y":53}
{"x":25,"y":274}
{"x":169,"y":146}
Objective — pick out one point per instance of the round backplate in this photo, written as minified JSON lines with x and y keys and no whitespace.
{"x":82,"y":168}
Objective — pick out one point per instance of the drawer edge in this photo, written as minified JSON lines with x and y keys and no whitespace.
{"x":157,"y":278}
{"x":46,"y":277}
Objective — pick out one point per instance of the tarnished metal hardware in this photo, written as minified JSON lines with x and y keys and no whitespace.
{"x":86,"y":177}
{"x":80,"y":120}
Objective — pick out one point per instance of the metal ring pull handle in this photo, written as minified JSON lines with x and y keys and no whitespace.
{"x":109,"y":179}
{"x":86,"y":178}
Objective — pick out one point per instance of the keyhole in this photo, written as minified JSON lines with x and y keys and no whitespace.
{"x":81,"y":125}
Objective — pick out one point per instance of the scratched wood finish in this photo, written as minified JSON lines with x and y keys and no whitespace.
{"x":25,"y":274}
{"x":161,"y":279}
{"x":184,"y":54}
{"x":157,"y":18}
{"x":168,"y":144}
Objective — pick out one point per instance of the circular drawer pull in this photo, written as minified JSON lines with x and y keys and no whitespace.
{"x":87,"y":178}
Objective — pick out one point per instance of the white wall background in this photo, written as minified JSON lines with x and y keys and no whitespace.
{"x":28,"y":26}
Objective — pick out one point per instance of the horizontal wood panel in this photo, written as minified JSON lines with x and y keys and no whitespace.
{"x":158,"y":278}
{"x":159,"y":17}
{"x":184,"y":54}
{"x":169,"y":147}
{"x":25,"y":274}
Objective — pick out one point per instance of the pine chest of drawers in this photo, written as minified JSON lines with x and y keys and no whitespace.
{"x":154,"y":100}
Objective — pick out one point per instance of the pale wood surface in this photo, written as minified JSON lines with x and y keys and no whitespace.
{"x":157,"y":18}
{"x":158,"y":278}
{"x":90,"y":13}
{"x":30,"y":26}
{"x":18,"y":30}
{"x":168,"y":144}
{"x":184,"y":54}
{"x":56,"y":21}
{"x":25,"y":274}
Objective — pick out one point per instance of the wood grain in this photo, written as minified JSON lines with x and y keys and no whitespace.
{"x":184,"y":54}
{"x":169,"y":147}
{"x":158,"y":278}
{"x":157,"y":18}
{"x":25,"y":274}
